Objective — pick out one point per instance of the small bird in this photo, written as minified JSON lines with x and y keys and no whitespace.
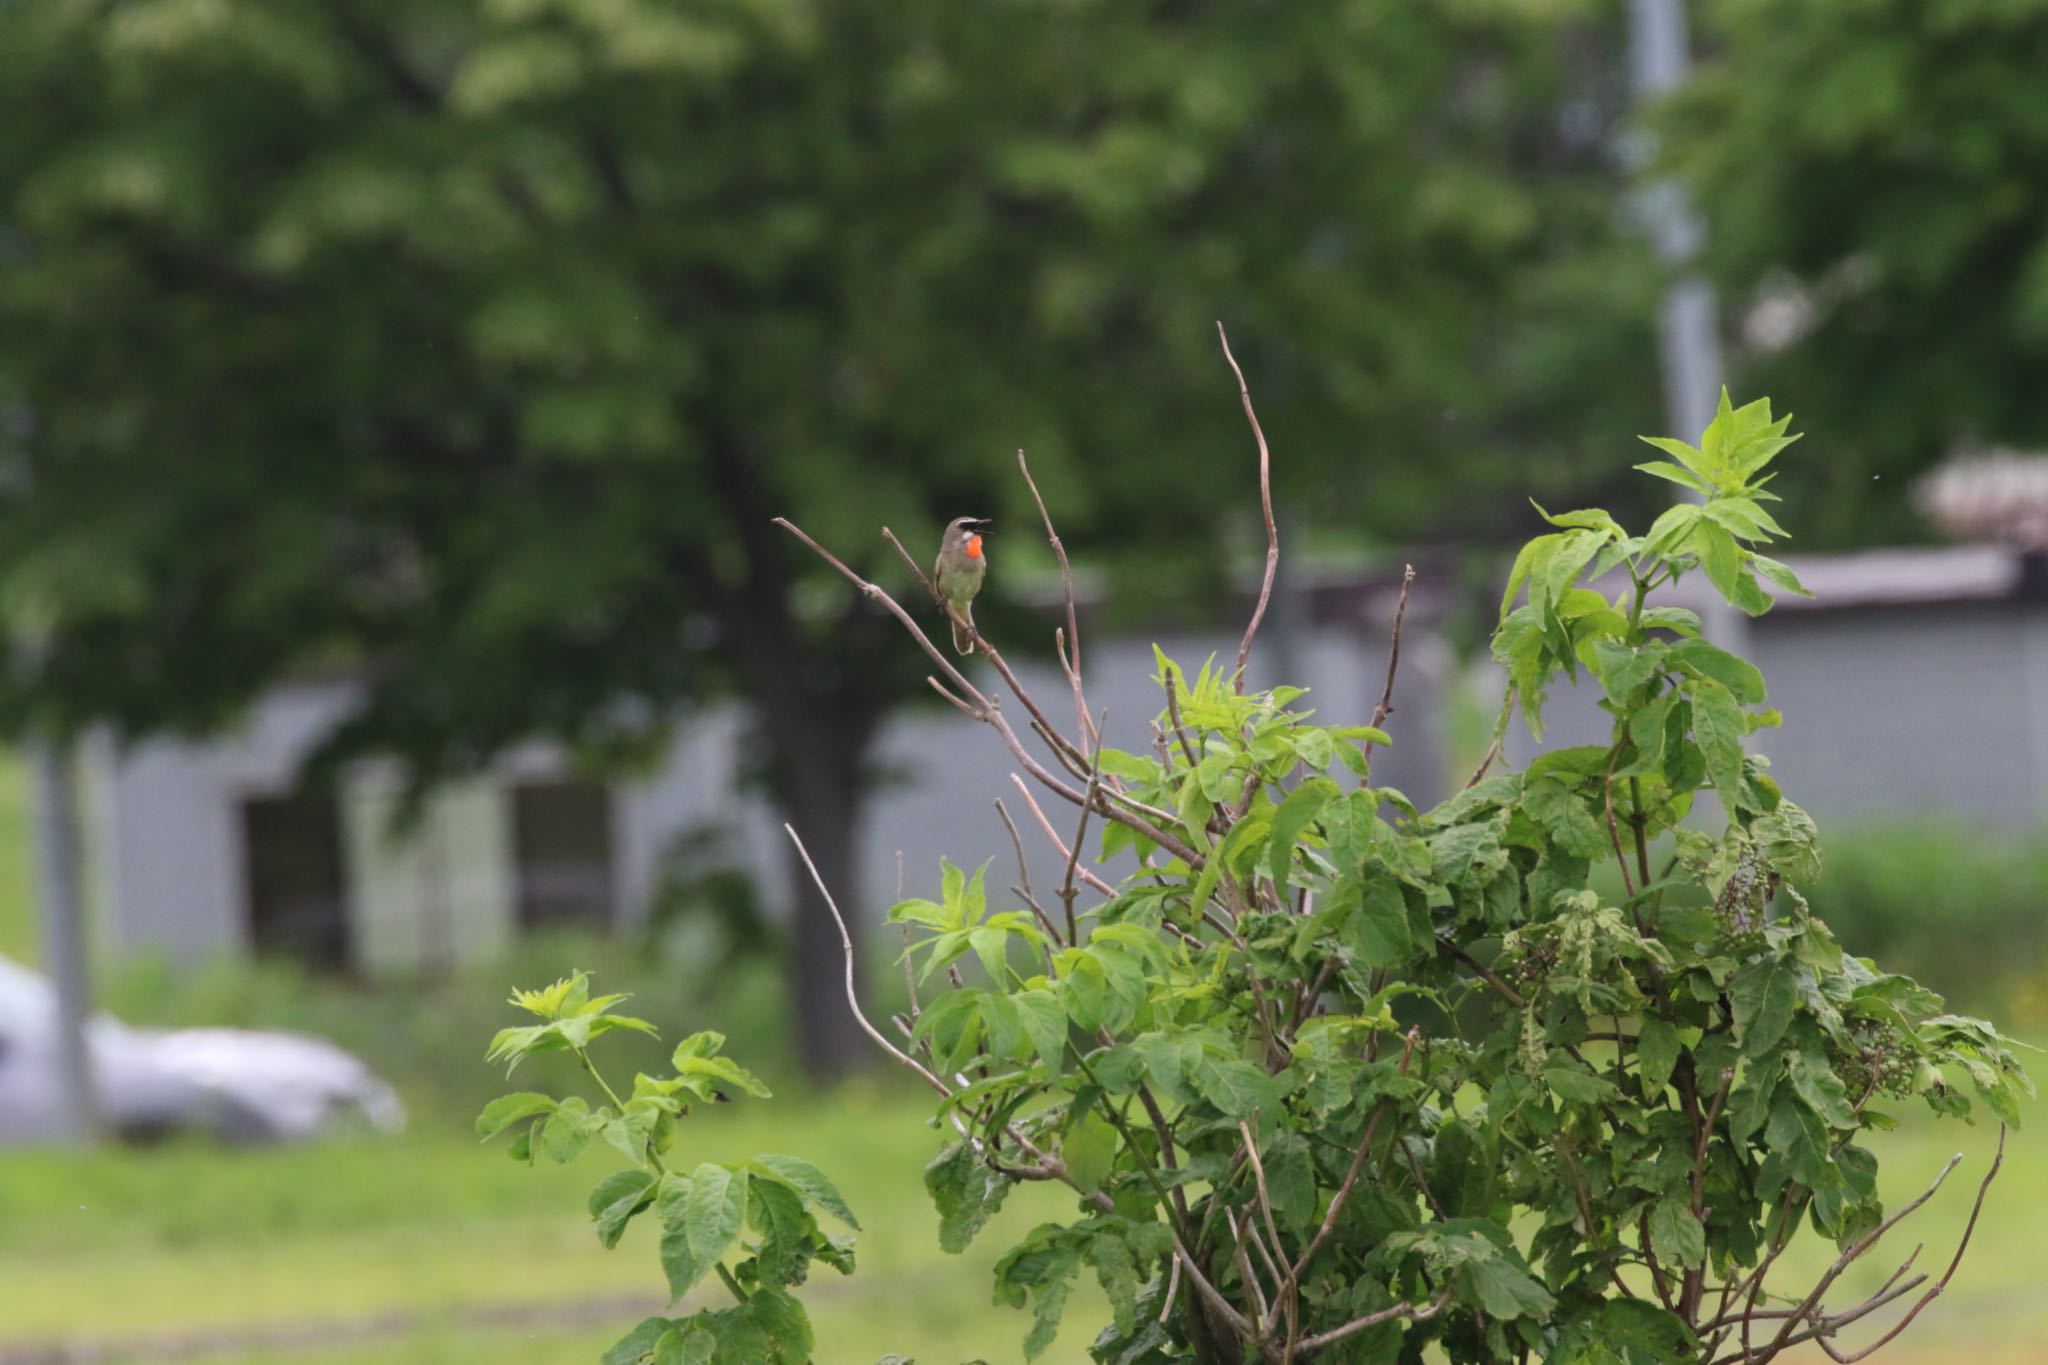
{"x":961,"y":567}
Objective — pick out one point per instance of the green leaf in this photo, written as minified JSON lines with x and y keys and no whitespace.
{"x":724,"y":1071}
{"x":781,"y":1320}
{"x":682,"y":1267}
{"x":1676,"y":1236}
{"x":1778,"y":573}
{"x":1377,"y":930}
{"x":1089,"y":1147}
{"x":1764,"y":994}
{"x":1294,"y":816}
{"x":808,"y":1181}
{"x":568,"y":1131}
{"x":1717,"y":726}
{"x":1672,"y":472}
{"x":1505,"y":1290}
{"x":966,"y":1194}
{"x":1622,"y":670}
{"x":1739,"y":676}
{"x":1045,"y":1025}
{"x":928,"y":913}
{"x":637,"y":1346}
{"x":714,"y":1210}
{"x":1796,"y":1134}
{"x":1719,"y":555}
{"x":1814,"y":1081}
{"x":506,"y":1110}
{"x":1656,"y":1055}
{"x":1235,"y":1086}
{"x":1576,"y":1085}
{"x":616,"y":1199}
{"x":1670,"y":529}
{"x":1690,"y":456}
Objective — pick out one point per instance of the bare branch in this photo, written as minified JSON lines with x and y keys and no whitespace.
{"x":1070,"y":643}
{"x":1869,"y":1239}
{"x":1412,"y":1312}
{"x":1251,"y":1148}
{"x":988,"y":652}
{"x":1180,"y":729}
{"x":1244,"y":394}
{"x":985,"y":708}
{"x":1081,"y":831}
{"x":1824,"y":1325}
{"x":1385,"y":706}
{"x":1024,"y":879}
{"x":852,"y":998}
{"x":1343,"y":1194}
{"x":1094,"y":882}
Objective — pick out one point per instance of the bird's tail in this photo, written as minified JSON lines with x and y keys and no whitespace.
{"x":963,"y":643}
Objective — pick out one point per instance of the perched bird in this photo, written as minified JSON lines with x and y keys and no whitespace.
{"x":962,"y":565}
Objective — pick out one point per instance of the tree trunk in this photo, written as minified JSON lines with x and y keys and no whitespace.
{"x":822,"y":796}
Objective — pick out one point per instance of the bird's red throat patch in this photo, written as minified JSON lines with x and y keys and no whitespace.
{"x":974,"y":547}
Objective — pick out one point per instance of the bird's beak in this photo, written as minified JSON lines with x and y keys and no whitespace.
{"x":979,"y":523}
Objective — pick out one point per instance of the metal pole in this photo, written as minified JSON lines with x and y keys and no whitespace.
{"x":64,"y":943}
{"x":1688,"y":334}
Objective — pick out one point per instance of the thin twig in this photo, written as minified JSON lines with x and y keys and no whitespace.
{"x":985,"y":708}
{"x":1094,"y":882}
{"x":1356,"y":1325}
{"x":1180,"y":729}
{"x":1244,"y":394}
{"x":1343,"y":1194}
{"x":1786,"y":1337}
{"x":1385,"y":706}
{"x":853,"y":999}
{"x":1069,"y":644}
{"x":1093,"y":795}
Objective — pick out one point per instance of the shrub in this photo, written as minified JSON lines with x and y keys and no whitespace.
{"x":1335,"y":1078}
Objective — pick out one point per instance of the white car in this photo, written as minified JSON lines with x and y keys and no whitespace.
{"x":237,"y":1085}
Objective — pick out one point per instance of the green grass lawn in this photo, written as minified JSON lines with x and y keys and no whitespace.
{"x":463,"y":1255}
{"x":189,"y":1241}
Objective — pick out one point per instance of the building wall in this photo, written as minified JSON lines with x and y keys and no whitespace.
{"x":1891,"y":713}
{"x":167,"y":832}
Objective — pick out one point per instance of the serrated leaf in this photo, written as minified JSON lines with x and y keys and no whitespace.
{"x":1656,"y":1054}
{"x":1089,"y":1148}
{"x":965,"y":1193}
{"x":1719,"y":555}
{"x":617,"y":1198}
{"x":567,"y":1132}
{"x":1779,"y":573}
{"x":1575,"y":1085}
{"x":1744,"y":681}
{"x":1235,"y":1086}
{"x":1676,"y":1236}
{"x":1764,"y":995}
{"x":637,"y":1346}
{"x":506,"y":1110}
{"x":1045,"y":1026}
{"x":810,"y":1182}
{"x":1294,"y":816}
{"x":1664,"y":470}
{"x":714,"y":1210}
{"x":1376,"y":930}
{"x":1717,"y":727}
{"x":1506,"y":1290}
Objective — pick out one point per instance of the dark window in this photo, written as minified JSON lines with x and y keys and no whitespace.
{"x":562,"y":841}
{"x":297,"y":879}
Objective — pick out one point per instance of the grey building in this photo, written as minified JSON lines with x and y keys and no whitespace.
{"x":203,"y":849}
{"x":1914,"y":683}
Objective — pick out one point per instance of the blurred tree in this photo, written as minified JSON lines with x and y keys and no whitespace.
{"x":1874,"y":174}
{"x":476,"y":344}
